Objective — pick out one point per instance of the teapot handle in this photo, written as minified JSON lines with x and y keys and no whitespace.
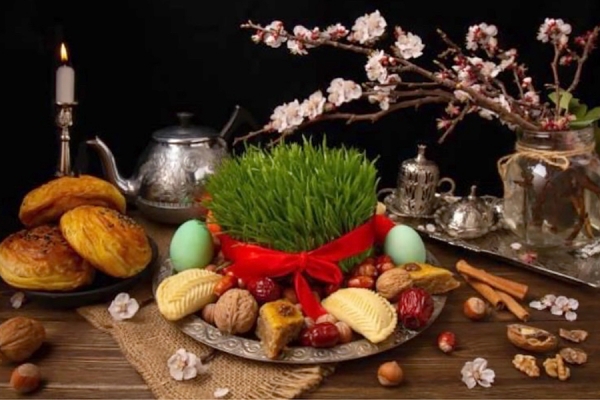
{"x":239,"y":116}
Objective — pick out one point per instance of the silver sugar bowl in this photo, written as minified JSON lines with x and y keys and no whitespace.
{"x":470,"y":217}
{"x":418,"y":182}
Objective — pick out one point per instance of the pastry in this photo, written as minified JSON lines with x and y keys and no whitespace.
{"x":435,"y":280}
{"x":112,"y":242}
{"x":186,"y":293}
{"x":279,"y":323}
{"x":48,"y":202}
{"x":365,"y":311}
{"x":41,"y":259}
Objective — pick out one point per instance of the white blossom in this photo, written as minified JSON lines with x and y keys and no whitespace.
{"x":482,"y":35}
{"x":516,"y":246}
{"x":486,"y":68}
{"x":554,"y":30}
{"x":368,"y":28}
{"x":335,"y":32}
{"x":286,"y":116}
{"x":296,"y":47}
{"x":408,"y":44}
{"x":381,"y":94}
{"x":508,"y":59}
{"x":376,"y":71}
{"x":123,"y":307}
{"x":275,"y":34}
{"x":461,"y":95}
{"x":476,"y":373}
{"x":531,"y":97}
{"x":313,"y":106}
{"x":184,"y":365}
{"x":343,"y":91}
{"x":563,"y":305}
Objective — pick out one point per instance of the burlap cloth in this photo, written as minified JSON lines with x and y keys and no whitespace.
{"x":148,"y":340}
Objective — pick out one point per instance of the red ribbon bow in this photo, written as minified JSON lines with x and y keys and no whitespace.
{"x":251,"y":261}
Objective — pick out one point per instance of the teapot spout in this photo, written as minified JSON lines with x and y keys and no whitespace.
{"x":238,"y":117}
{"x":129,"y":187}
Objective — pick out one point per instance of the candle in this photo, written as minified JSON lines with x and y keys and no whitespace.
{"x":65,"y":79}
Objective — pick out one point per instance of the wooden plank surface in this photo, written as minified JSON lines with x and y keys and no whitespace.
{"x":83,"y":363}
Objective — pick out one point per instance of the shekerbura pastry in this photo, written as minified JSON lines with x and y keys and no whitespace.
{"x":365,"y":311}
{"x":41,"y":259}
{"x":112,"y":242}
{"x":185,"y":293}
{"x":48,"y":202}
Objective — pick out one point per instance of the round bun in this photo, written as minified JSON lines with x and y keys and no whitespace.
{"x":47,"y":203}
{"x":41,"y":259}
{"x":112,"y":242}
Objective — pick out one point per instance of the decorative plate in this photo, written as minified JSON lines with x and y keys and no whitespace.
{"x":102,"y":288}
{"x":251,"y":348}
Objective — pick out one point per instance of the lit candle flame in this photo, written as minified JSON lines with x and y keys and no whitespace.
{"x":64,"y":57}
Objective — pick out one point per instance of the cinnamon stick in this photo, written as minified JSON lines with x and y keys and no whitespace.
{"x":515,"y":289}
{"x":486,"y":291}
{"x":514,"y":307}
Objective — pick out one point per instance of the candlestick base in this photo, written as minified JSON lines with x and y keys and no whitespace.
{"x":64,"y":121}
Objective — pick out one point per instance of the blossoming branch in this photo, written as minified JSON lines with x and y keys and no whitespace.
{"x":473,"y":79}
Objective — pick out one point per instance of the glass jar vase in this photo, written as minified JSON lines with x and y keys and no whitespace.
{"x":552,"y":188}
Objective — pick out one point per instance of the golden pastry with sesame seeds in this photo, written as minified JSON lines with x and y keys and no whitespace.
{"x":41,"y":259}
{"x":48,"y":202}
{"x":112,"y":242}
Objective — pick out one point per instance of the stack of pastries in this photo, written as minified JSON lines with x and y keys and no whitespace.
{"x":73,"y":227}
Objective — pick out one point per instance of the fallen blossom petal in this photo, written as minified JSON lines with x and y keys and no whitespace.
{"x":573,"y":304}
{"x":548,"y":299}
{"x":556,"y":310}
{"x":516,"y":246}
{"x":17,"y":300}
{"x":570,"y":315}
{"x":189,"y":372}
{"x":220,"y":393}
{"x":476,"y":372}
{"x":430,"y":228}
{"x":561,"y":301}
{"x":123,"y":307}
{"x":184,"y":365}
{"x":538,"y":305}
{"x":176,"y":374}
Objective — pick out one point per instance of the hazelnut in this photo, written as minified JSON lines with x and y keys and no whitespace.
{"x":25,"y":378}
{"x":326,"y":318}
{"x":390,"y":374}
{"x":208,"y":313}
{"x":345,"y":331}
{"x":475,"y":309}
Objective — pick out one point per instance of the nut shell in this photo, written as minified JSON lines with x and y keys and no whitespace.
{"x":392,"y":282}
{"x":235,"y":312}
{"x":20,"y":337}
{"x":25,"y":378}
{"x":530,"y":338}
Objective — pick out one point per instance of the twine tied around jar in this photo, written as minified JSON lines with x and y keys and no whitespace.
{"x":555,"y":158}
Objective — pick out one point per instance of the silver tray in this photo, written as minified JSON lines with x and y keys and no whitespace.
{"x":580,"y":266}
{"x":250,"y":348}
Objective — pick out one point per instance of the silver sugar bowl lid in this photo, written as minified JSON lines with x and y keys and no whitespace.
{"x":468,"y":218}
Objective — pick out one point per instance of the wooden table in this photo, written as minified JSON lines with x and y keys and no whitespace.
{"x":85,"y":363}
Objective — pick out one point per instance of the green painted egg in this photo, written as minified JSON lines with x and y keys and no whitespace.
{"x":404,"y":245}
{"x":191,"y":246}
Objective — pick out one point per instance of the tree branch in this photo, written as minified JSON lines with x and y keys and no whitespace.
{"x":589,"y":45}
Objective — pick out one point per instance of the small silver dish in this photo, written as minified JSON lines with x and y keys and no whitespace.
{"x":391,"y":200}
{"x":470,"y":217}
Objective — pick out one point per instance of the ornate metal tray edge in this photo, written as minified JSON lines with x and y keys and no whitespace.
{"x":564,"y":264}
{"x":249,"y":348}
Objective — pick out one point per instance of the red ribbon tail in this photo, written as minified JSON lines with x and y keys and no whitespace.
{"x":310,"y":305}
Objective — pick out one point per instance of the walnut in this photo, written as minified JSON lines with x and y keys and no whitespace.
{"x":526,"y":364}
{"x":573,"y":356}
{"x":392,"y":282}
{"x":556,"y":368}
{"x":20,"y":337}
{"x":531,"y":338}
{"x":235,"y":311}
{"x":575,"y":335}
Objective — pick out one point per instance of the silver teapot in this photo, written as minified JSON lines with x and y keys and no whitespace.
{"x":168,"y":184}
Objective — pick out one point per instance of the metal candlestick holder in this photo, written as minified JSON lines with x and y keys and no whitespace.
{"x":64,"y":120}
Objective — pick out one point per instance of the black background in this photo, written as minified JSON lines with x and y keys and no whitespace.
{"x":138,"y":63}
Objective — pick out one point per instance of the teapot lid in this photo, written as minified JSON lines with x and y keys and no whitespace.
{"x":185,"y":132}
{"x":471,"y":214}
